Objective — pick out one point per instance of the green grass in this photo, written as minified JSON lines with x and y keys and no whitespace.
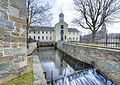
{"x":24,"y":79}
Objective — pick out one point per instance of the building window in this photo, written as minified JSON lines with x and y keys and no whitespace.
{"x":62,"y":27}
{"x":73,"y":33}
{"x":38,"y":32}
{"x":50,"y":38}
{"x":46,"y":32}
{"x":65,"y":37}
{"x":34,"y":32}
{"x":42,"y":32}
{"x":46,"y":37}
{"x":50,"y":32}
{"x":38,"y":37}
{"x":62,"y":32}
{"x":69,"y":38}
{"x":76,"y":38}
{"x":69,"y":33}
{"x":42,"y":37}
{"x":73,"y":38}
{"x":29,"y":31}
{"x":34,"y":37}
{"x":29,"y":37}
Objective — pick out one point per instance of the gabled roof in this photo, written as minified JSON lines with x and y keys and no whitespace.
{"x":73,"y":30}
{"x":61,"y":22}
{"x":42,"y":28}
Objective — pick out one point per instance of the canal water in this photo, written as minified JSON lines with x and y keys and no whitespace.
{"x":58,"y":66}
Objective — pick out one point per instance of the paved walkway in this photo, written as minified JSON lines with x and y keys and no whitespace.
{"x":38,"y":72}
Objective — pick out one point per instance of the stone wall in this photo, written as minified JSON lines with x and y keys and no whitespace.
{"x":13,"y":51}
{"x":107,"y":61}
{"x":32,"y":47}
{"x":39,"y":77}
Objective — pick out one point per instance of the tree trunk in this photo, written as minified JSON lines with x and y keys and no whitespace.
{"x":93,"y":36}
{"x":27,"y":27}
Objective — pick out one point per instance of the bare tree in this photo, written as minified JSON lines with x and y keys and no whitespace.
{"x":93,"y":13}
{"x":38,"y":13}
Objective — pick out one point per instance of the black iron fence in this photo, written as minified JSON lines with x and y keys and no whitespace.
{"x":107,"y":41}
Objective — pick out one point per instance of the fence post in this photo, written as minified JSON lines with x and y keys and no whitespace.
{"x":52,"y":78}
{"x":45,"y":75}
{"x":116,"y":41}
{"x":106,"y":39}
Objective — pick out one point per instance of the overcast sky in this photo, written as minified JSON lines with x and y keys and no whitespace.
{"x":66,"y":6}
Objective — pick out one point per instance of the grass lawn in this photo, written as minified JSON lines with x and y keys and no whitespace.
{"x":24,"y":79}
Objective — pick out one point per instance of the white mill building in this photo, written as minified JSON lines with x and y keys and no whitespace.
{"x":60,"y":32}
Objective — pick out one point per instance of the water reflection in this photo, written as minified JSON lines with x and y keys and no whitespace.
{"x":53,"y":64}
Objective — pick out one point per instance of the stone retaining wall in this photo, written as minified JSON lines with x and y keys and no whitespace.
{"x":107,"y":61}
{"x":32,"y":47}
{"x":39,"y":77}
{"x":38,"y":72}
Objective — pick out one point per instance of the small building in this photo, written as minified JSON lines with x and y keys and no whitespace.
{"x":60,"y":32}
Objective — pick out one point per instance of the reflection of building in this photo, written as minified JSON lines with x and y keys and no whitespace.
{"x":60,"y":32}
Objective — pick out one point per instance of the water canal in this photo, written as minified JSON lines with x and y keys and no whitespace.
{"x":59,"y":68}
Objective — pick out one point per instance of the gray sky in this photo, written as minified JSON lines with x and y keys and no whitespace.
{"x":66,"y":6}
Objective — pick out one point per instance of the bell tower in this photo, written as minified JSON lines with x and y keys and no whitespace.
{"x":61,"y":17}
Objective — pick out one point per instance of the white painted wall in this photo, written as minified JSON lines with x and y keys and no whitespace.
{"x":57,"y":31}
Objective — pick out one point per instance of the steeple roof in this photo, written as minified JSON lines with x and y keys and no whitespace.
{"x":61,"y":14}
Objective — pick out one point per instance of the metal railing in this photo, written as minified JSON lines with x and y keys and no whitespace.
{"x":108,"y":41}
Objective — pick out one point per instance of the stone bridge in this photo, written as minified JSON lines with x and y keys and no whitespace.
{"x":107,"y":61}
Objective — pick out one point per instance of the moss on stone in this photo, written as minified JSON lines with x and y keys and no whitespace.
{"x":24,"y":79}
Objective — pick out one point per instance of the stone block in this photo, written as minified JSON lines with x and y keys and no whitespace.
{"x":13,"y":11}
{"x":17,"y":29}
{"x":5,"y":5}
{"x":22,"y":44}
{"x":17,"y":20}
{"x":6,"y":58}
{"x":14,"y":45}
{"x":18,"y":25}
{"x":7,"y":39}
{"x":21,"y":39}
{"x":15,"y":33}
{"x":1,"y":14}
{"x":7,"y":34}
{"x":7,"y":24}
{"x":6,"y":45}
{"x":14,"y":39}
{"x":6,"y":16}
{"x":1,"y":38}
{"x":14,"y":51}
{"x":1,"y":54}
{"x":1,"y":46}
{"x":1,"y":32}
{"x":23,"y":35}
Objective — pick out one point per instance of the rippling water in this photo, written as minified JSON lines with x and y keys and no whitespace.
{"x":60,"y":67}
